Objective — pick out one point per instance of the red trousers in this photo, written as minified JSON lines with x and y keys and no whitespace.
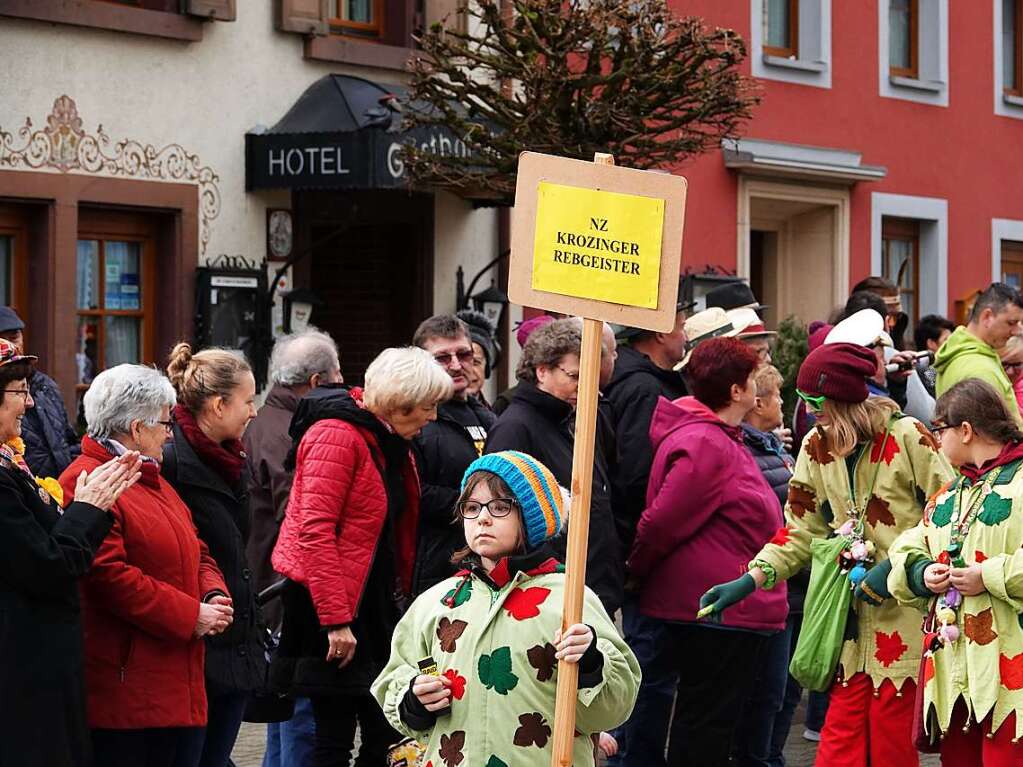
{"x":862,"y":728}
{"x":974,"y":748}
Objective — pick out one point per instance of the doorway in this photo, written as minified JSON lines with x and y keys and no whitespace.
{"x":793,"y":244}
{"x":375,"y":276}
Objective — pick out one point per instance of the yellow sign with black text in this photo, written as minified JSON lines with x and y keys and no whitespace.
{"x":599,"y":245}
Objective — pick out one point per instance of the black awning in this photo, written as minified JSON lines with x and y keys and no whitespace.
{"x":343,"y":133}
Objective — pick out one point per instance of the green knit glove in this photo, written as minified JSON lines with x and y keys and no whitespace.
{"x":873,"y":589}
{"x":725,"y":595}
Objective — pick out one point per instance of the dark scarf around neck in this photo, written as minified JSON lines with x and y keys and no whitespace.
{"x":227,"y":458}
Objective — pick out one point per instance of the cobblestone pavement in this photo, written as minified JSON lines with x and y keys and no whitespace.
{"x":248,"y":751}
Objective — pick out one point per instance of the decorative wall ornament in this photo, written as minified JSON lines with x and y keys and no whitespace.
{"x":64,"y":145}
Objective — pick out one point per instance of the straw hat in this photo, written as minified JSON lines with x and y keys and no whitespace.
{"x":749,"y":320}
{"x":705,"y":325}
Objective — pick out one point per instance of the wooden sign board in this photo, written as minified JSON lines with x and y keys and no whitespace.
{"x":597,"y":241}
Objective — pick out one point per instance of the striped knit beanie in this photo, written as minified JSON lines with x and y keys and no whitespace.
{"x":535,"y":488}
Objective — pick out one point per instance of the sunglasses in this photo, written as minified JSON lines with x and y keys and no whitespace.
{"x":445,"y":359}
{"x":814,"y":403}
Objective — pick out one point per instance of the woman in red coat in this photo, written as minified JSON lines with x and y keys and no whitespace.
{"x":348,"y":543}
{"x":145,"y":601}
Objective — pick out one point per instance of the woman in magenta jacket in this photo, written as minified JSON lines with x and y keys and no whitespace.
{"x":709,"y":511}
{"x":348,"y":544}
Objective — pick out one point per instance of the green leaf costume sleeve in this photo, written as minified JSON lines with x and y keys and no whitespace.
{"x":789,"y":551}
{"x":909,"y":547}
{"x":1003,"y":578}
{"x":408,"y":647}
{"x":610,"y":701}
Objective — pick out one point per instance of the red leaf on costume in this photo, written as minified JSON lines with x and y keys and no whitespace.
{"x":943,"y":558}
{"x":525,"y":603}
{"x":801,"y":500}
{"x":979,"y":556}
{"x":817,"y":449}
{"x":883,"y":448}
{"x":878,"y":512}
{"x":457,"y":683}
{"x":1011,"y":671}
{"x":978,"y":627}
{"x":781,"y":537}
{"x":928,"y":669}
{"x":890,"y":647}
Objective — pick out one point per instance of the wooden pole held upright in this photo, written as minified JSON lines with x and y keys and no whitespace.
{"x":578,"y":526}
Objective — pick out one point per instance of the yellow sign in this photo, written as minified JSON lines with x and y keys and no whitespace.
{"x":599,"y":245}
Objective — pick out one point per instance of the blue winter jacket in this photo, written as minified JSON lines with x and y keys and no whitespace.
{"x":51,"y":443}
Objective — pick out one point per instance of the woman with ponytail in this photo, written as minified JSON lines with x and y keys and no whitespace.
{"x":215,"y":391}
{"x":963,"y":563}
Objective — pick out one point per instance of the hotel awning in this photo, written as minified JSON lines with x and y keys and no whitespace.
{"x":343,"y":132}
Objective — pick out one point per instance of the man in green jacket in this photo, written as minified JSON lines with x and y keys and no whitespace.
{"x":972,"y":351}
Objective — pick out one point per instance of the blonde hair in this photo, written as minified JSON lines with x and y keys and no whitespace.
{"x":399,"y":380}
{"x":855,"y":422}
{"x":198,"y":376}
{"x":767,"y":378}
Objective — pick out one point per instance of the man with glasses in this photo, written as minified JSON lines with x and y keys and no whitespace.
{"x":51,"y":443}
{"x":445,"y":448}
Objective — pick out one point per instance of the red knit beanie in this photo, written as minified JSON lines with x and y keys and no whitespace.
{"x":838,"y":372}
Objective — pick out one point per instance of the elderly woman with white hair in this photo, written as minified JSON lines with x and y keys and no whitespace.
{"x":43,"y":553}
{"x":348,"y":544}
{"x":146,"y":601}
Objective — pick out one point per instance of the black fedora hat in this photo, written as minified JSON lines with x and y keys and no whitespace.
{"x":734,"y":295}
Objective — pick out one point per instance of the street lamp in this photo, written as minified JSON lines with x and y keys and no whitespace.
{"x":298,"y":309}
{"x":491,"y":303}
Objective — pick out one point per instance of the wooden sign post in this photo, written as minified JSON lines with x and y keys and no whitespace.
{"x":602,"y":243}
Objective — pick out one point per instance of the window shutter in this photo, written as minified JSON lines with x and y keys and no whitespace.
{"x":221,"y":10}
{"x":307,"y":17}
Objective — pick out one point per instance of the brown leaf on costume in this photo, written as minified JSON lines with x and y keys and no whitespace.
{"x":533,"y":730}
{"x":978,"y":627}
{"x":448,"y":632}
{"x":926,"y":438}
{"x":801,"y":500}
{"x":541,"y":657}
{"x":878,"y":512}
{"x":451,"y":748}
{"x":817,"y":449}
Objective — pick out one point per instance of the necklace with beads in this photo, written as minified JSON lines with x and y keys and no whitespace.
{"x":858,"y":555}
{"x":947,"y":611}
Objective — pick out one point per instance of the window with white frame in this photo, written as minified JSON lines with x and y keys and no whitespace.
{"x":909,"y":245}
{"x":913,"y":50}
{"x":791,"y":41}
{"x":1008,"y":62}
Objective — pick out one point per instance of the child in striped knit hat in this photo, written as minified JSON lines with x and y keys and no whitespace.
{"x":473,"y":667}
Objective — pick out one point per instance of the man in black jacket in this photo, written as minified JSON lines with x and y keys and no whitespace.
{"x":540,"y":421}
{"x":51,"y":443}
{"x":444,"y":449}
{"x":643,"y":373}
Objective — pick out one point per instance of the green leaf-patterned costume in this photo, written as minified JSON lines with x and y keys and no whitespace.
{"x":985,"y":666}
{"x":496,"y":638}
{"x":881,"y":641}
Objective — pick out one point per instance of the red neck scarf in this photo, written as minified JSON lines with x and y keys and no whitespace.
{"x":226,"y":458}
{"x":1011,"y":452}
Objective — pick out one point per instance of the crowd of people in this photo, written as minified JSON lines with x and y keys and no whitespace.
{"x":377,"y":572}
